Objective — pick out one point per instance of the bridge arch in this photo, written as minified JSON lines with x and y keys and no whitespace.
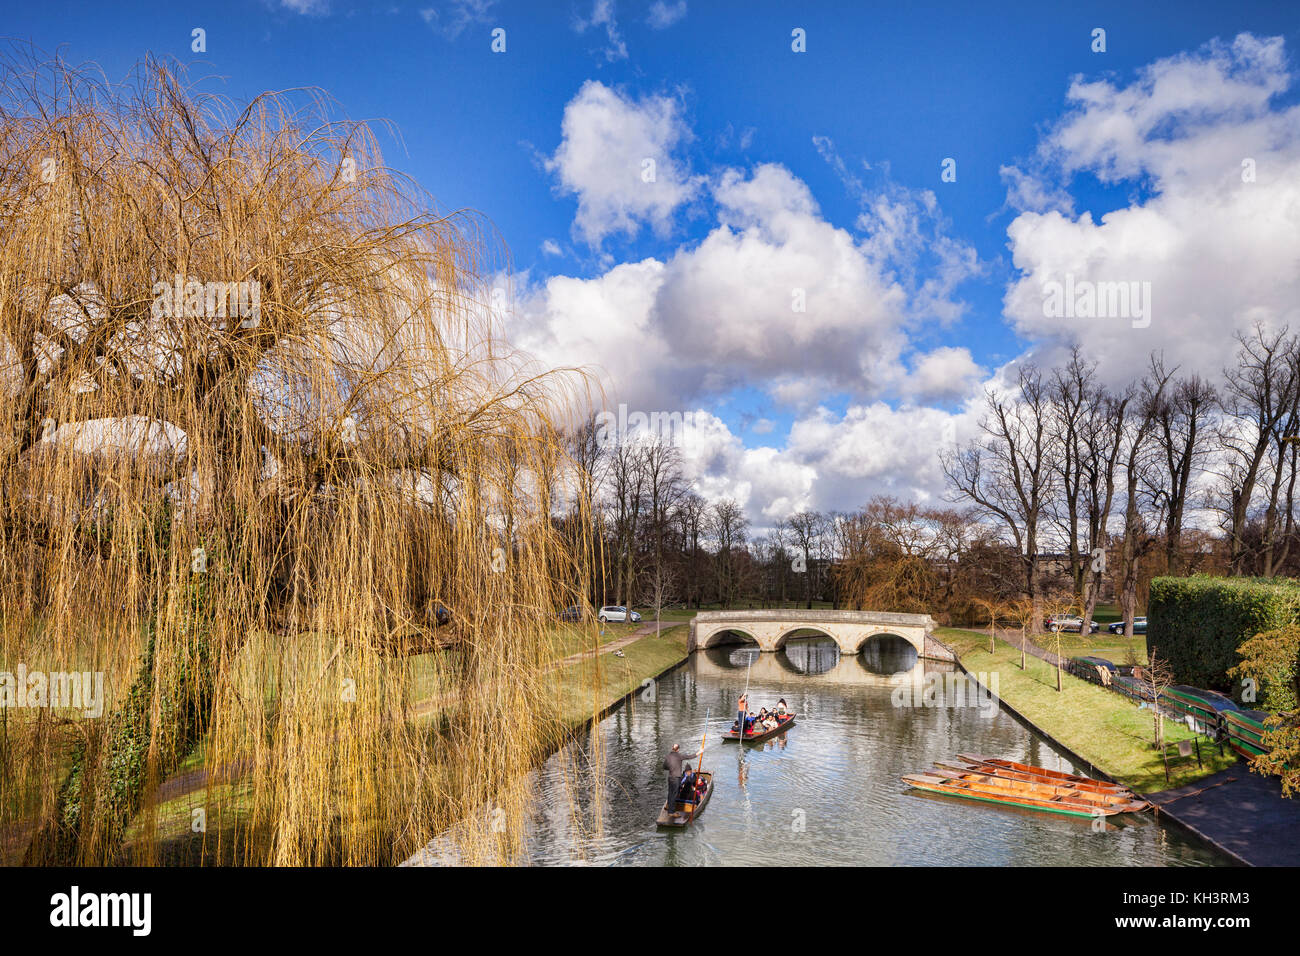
{"x":801,"y":632}
{"x":730,"y":637}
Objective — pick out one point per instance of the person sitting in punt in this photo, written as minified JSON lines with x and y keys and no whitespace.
{"x":687,"y":788}
{"x":781,"y":709}
{"x":771,"y":723}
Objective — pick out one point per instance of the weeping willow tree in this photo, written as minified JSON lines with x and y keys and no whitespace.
{"x":258,"y":447}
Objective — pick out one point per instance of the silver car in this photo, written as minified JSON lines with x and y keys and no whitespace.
{"x":618,"y":615}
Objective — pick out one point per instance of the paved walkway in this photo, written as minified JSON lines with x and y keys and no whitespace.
{"x":643,"y":631}
{"x":1242,"y":813}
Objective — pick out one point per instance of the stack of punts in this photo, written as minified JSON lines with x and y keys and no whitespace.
{"x":1205,"y":707}
{"x":782,"y":724}
{"x":1244,"y":731}
{"x":684,"y":812}
{"x":1014,"y":784}
{"x":1090,"y":669}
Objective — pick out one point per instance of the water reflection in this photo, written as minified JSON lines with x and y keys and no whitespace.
{"x":808,"y":655}
{"x":888,"y":654}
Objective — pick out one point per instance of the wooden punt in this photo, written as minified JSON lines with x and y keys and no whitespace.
{"x":1050,"y":797}
{"x":997,"y":780}
{"x":1245,"y":731}
{"x":782,"y":726}
{"x":996,"y":764}
{"x":685,"y":812}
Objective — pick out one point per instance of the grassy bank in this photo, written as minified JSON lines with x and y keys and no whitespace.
{"x":1099,"y":725}
{"x":580,"y":689}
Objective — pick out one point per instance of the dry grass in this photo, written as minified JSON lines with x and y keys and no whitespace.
{"x":361,"y":453}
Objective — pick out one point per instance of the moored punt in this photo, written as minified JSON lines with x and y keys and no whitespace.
{"x":1205,"y":707}
{"x":1099,"y":787}
{"x":999,"y":764}
{"x":1245,"y":731}
{"x":752,"y":738}
{"x":686,"y":811}
{"x":1061,"y":797}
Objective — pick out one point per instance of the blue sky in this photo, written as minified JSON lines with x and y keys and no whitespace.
{"x":882,"y":95}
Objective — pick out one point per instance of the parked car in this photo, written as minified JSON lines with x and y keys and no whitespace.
{"x":1139,"y":626}
{"x":571,"y":613}
{"x":618,"y":615}
{"x":1070,"y":623}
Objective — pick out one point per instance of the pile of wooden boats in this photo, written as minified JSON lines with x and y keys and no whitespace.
{"x":1005,"y":782}
{"x":1207,"y":712}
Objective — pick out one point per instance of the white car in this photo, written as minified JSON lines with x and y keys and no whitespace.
{"x":618,"y":615}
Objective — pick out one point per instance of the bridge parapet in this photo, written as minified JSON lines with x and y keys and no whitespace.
{"x":849,"y":629}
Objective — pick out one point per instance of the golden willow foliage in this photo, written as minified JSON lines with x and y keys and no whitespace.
{"x":356,"y":455}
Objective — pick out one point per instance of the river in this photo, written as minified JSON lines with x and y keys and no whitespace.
{"x":827,"y":792}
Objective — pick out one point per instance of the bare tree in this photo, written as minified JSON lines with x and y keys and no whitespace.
{"x":728,"y":526}
{"x":1140,"y":455}
{"x":1007,"y":475}
{"x":1258,"y":397}
{"x":1182,"y":430}
{"x":805,"y":531}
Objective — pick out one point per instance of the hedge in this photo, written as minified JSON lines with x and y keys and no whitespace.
{"x":1198,"y":623}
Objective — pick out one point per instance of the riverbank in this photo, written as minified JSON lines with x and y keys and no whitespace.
{"x":588,"y":684}
{"x":1100,"y":727}
{"x":1240,"y":813}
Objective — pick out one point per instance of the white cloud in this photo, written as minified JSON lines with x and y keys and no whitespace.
{"x":663,"y":15}
{"x":602,"y":15}
{"x":617,"y":157}
{"x":456,"y":16}
{"x":1219,"y":253}
{"x":551,"y":248}
{"x":309,"y":8}
{"x":945,"y":374}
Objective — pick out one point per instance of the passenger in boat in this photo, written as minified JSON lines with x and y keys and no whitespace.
{"x":781,"y":709}
{"x":674,"y":764}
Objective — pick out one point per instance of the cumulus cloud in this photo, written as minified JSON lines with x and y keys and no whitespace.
{"x":945,"y":374}
{"x":618,"y":156}
{"x":1215,"y":232}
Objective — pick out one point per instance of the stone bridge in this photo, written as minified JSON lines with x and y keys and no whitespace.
{"x":849,"y":629}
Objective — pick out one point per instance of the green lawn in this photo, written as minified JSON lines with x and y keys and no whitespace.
{"x":1099,"y":725}
{"x":595,"y":683}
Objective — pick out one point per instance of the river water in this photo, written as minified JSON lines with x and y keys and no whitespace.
{"x":827,"y":792}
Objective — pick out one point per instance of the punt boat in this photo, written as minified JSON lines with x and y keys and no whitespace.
{"x":782,"y":724}
{"x":1083,"y":797}
{"x":685,"y":811}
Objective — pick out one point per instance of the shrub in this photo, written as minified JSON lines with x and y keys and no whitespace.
{"x":1198,"y":623}
{"x":1271,"y":659}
